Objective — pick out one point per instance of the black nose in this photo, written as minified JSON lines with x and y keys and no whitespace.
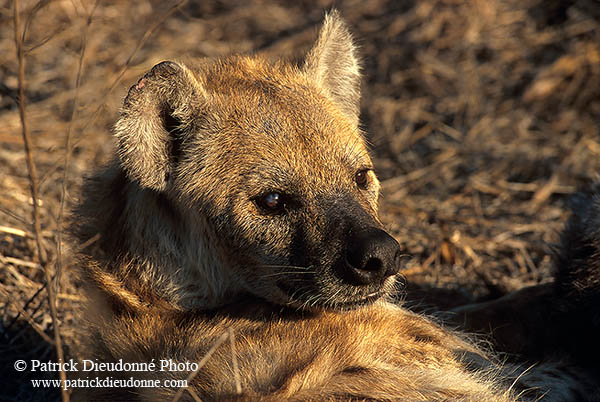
{"x":372,"y":255}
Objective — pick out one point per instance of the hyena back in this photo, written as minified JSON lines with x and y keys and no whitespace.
{"x":243,"y":200}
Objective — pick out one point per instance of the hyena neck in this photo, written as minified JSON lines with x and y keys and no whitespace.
{"x":160,"y":250}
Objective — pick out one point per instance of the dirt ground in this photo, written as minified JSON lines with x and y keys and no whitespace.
{"x":483,"y":116}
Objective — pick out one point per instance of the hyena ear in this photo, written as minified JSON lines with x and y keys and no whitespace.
{"x":334,"y":65}
{"x":156,"y":115}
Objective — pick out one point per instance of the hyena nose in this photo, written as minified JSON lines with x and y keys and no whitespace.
{"x":372,"y":256}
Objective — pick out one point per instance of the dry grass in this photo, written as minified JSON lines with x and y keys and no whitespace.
{"x":483,"y":118}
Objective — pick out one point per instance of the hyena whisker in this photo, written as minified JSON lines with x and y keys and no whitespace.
{"x":399,"y":284}
{"x":312,"y":300}
{"x":315,"y":300}
{"x":332,"y":297}
{"x":298,"y":294}
{"x":286,"y":266}
{"x":286,"y":273}
{"x":308,"y":301}
{"x":298,"y":280}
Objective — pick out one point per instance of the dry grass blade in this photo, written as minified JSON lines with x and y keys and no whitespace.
{"x":194,"y":395}
{"x":27,"y":303}
{"x":34,"y":192}
{"x":13,"y":231}
{"x":117,"y":80}
{"x":18,"y":261}
{"x":234,"y":360}
{"x":125,"y":67}
{"x":27,"y":317}
{"x":59,"y":222}
{"x":201,"y":364}
{"x":13,"y":215}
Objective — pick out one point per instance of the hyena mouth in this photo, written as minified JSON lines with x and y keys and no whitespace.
{"x":365,"y":301}
{"x":310,"y":297}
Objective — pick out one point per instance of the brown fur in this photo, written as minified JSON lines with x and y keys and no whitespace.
{"x":186,"y":252}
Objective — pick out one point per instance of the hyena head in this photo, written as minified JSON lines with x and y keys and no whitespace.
{"x":267,"y":169}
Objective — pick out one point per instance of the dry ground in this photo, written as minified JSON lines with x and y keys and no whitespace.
{"x":483,"y":117}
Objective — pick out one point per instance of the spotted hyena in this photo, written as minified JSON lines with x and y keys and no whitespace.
{"x":242,"y":203}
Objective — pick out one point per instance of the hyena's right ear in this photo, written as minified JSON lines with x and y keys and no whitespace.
{"x":156,"y":115}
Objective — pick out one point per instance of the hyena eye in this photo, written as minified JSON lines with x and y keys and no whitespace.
{"x":271,"y":202}
{"x":361,"y":178}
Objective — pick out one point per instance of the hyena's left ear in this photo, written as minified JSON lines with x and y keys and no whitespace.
{"x":335,"y":67}
{"x":156,"y":116}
